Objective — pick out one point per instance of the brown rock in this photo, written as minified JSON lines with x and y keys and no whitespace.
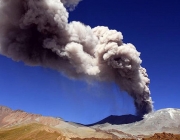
{"x":163,"y":136}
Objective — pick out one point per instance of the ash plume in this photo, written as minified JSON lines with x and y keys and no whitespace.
{"x":37,"y":32}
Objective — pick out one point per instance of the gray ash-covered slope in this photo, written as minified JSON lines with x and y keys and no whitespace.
{"x":165,"y":120}
{"x":117,"y":120}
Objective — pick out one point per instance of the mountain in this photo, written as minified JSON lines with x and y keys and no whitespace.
{"x":15,"y":120}
{"x":165,"y":120}
{"x":17,"y":124}
{"x":117,"y":120}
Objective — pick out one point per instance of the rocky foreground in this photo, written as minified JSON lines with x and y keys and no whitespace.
{"x":22,"y":125}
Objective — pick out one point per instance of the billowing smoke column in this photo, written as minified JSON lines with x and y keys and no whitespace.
{"x":37,"y":32}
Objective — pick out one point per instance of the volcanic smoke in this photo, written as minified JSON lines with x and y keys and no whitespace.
{"x":37,"y":32}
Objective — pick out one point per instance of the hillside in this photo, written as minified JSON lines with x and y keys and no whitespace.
{"x":18,"y":119}
{"x":30,"y":132}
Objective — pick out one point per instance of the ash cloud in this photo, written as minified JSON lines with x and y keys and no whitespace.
{"x":38,"y":33}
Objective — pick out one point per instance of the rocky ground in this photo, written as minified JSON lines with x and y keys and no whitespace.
{"x":156,"y":136}
{"x":163,"y":136}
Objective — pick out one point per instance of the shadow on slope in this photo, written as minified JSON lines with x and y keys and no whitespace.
{"x":116,"y":120}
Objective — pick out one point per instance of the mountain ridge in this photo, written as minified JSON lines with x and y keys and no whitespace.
{"x":112,"y":127}
{"x":117,"y":120}
{"x":156,"y":122}
{"x":17,"y":118}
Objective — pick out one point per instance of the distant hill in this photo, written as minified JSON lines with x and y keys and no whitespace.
{"x":117,"y":120}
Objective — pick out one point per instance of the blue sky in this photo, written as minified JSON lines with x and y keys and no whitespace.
{"x":152,"y":26}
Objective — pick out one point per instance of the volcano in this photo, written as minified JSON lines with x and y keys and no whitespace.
{"x":117,"y":120}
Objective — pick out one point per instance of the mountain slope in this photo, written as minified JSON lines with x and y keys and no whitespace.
{"x":29,"y":132}
{"x":165,"y":120}
{"x":10,"y":119}
{"x":117,"y":120}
